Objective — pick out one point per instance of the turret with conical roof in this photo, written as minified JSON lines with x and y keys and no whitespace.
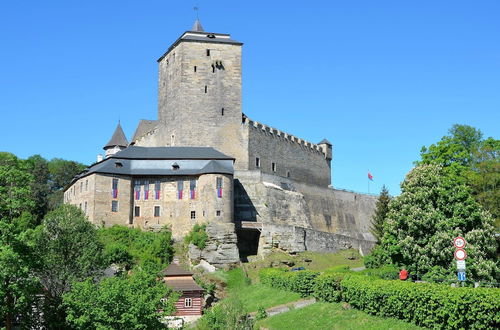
{"x":197,"y":26}
{"x":117,"y":142}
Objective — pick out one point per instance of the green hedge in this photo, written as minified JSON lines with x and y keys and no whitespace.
{"x":425,"y":304}
{"x":300,"y":281}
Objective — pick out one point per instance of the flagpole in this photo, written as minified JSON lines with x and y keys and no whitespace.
{"x":368,"y":178}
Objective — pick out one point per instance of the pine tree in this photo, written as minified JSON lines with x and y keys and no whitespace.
{"x":381,"y":210}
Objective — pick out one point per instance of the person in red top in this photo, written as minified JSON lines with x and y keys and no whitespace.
{"x":403,"y":274}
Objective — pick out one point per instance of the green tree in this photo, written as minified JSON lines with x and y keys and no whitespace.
{"x":38,"y":167}
{"x":381,"y":209}
{"x":138,"y":301}
{"x":132,"y":246}
{"x":422,"y":222}
{"x":63,"y":171}
{"x":18,"y":286}
{"x":15,"y":187}
{"x":69,"y":250}
{"x":466,"y":157}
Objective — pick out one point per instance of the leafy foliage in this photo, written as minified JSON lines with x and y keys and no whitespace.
{"x":69,"y":250}
{"x":422,"y":222}
{"x":138,"y":301}
{"x":380,"y":214}
{"x":197,"y":236}
{"x":466,"y":157}
{"x":300,"y":281}
{"x":425,"y":304}
{"x":226,"y":315}
{"x":18,"y":286}
{"x":132,"y":246}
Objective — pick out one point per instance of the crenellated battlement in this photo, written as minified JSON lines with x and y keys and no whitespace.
{"x":279,"y":134}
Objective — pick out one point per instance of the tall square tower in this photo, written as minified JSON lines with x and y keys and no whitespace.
{"x":199,"y":91}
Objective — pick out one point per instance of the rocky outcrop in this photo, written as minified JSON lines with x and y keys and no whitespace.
{"x":221,"y":248}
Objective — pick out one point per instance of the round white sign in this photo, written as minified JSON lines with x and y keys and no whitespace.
{"x":460,"y":254}
{"x":459,"y":242}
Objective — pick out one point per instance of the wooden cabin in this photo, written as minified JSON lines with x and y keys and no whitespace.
{"x":190,"y":304}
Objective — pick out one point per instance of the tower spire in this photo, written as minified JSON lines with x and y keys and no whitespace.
{"x":197,"y":24}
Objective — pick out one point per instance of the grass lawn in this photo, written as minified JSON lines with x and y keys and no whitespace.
{"x":309,"y":260}
{"x":256,"y":295}
{"x":330,"y":316}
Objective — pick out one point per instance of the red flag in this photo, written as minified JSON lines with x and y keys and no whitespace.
{"x":370,"y":176}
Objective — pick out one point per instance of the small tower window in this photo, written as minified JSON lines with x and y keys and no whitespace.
{"x":273,"y":167}
{"x":195,"y":68}
{"x":193,"y":214}
{"x":257,"y":162}
{"x":287,"y":174}
{"x":217,"y":213}
{"x":222,"y":112}
{"x":213,"y":68}
{"x":206,"y":88}
{"x":208,"y":52}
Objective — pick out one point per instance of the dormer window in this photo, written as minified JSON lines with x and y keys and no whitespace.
{"x":118,"y":164}
{"x":211,"y":36}
{"x":175,"y":166}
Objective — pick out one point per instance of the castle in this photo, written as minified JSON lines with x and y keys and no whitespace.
{"x":277,"y":187}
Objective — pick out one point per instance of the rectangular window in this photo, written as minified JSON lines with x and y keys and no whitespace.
{"x":219,"y":187}
{"x":114,"y":206}
{"x":273,"y":167}
{"x":137,"y":211}
{"x":192,"y":189}
{"x":137,"y":189}
{"x":257,"y":162}
{"x":188,"y":302}
{"x":193,"y":214}
{"x":217,"y":213}
{"x":157,"y":211}
{"x":208,"y":52}
{"x":146,"y":190}
{"x":115,"y":188}
{"x":180,"y":188}
{"x":206,"y":88}
{"x":85,"y":208}
{"x":222,"y":112}
{"x":81,"y":186}
{"x":195,"y":68}
{"x":86,"y":185}
{"x":157,"y":189}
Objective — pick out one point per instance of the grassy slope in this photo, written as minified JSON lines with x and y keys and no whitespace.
{"x":309,"y":260}
{"x":330,"y":316}
{"x":256,"y":295}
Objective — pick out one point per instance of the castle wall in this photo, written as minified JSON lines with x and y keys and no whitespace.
{"x":175,"y":212}
{"x":293,"y":157}
{"x":278,"y":201}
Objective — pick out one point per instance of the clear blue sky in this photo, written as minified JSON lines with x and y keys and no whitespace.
{"x":379,"y":79}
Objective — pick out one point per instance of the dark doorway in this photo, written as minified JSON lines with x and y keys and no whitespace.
{"x":248,"y":243}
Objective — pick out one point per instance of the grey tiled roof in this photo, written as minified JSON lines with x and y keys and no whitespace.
{"x":144,"y":127}
{"x":175,"y":270}
{"x":118,"y":138}
{"x":159,"y":161}
{"x":135,"y":152}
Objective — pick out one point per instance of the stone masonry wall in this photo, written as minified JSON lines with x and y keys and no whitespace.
{"x":173,"y":211}
{"x":293,"y":157}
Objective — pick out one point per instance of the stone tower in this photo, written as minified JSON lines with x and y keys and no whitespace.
{"x":199,"y":92}
{"x":117,"y":142}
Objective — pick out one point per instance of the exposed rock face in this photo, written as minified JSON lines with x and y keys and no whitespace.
{"x":221,"y":249}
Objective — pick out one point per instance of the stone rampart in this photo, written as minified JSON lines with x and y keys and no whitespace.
{"x":275,"y":152}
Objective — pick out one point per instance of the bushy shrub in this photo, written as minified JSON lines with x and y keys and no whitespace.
{"x":226,"y":315}
{"x":385,"y":273}
{"x":198,"y":236}
{"x":425,"y":304}
{"x":300,"y":281}
{"x":338,"y":269}
{"x":327,"y":287}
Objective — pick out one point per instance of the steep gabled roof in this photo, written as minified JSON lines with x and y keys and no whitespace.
{"x":118,"y":139}
{"x":197,"y":26}
{"x":144,"y":127}
{"x":175,"y":270}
